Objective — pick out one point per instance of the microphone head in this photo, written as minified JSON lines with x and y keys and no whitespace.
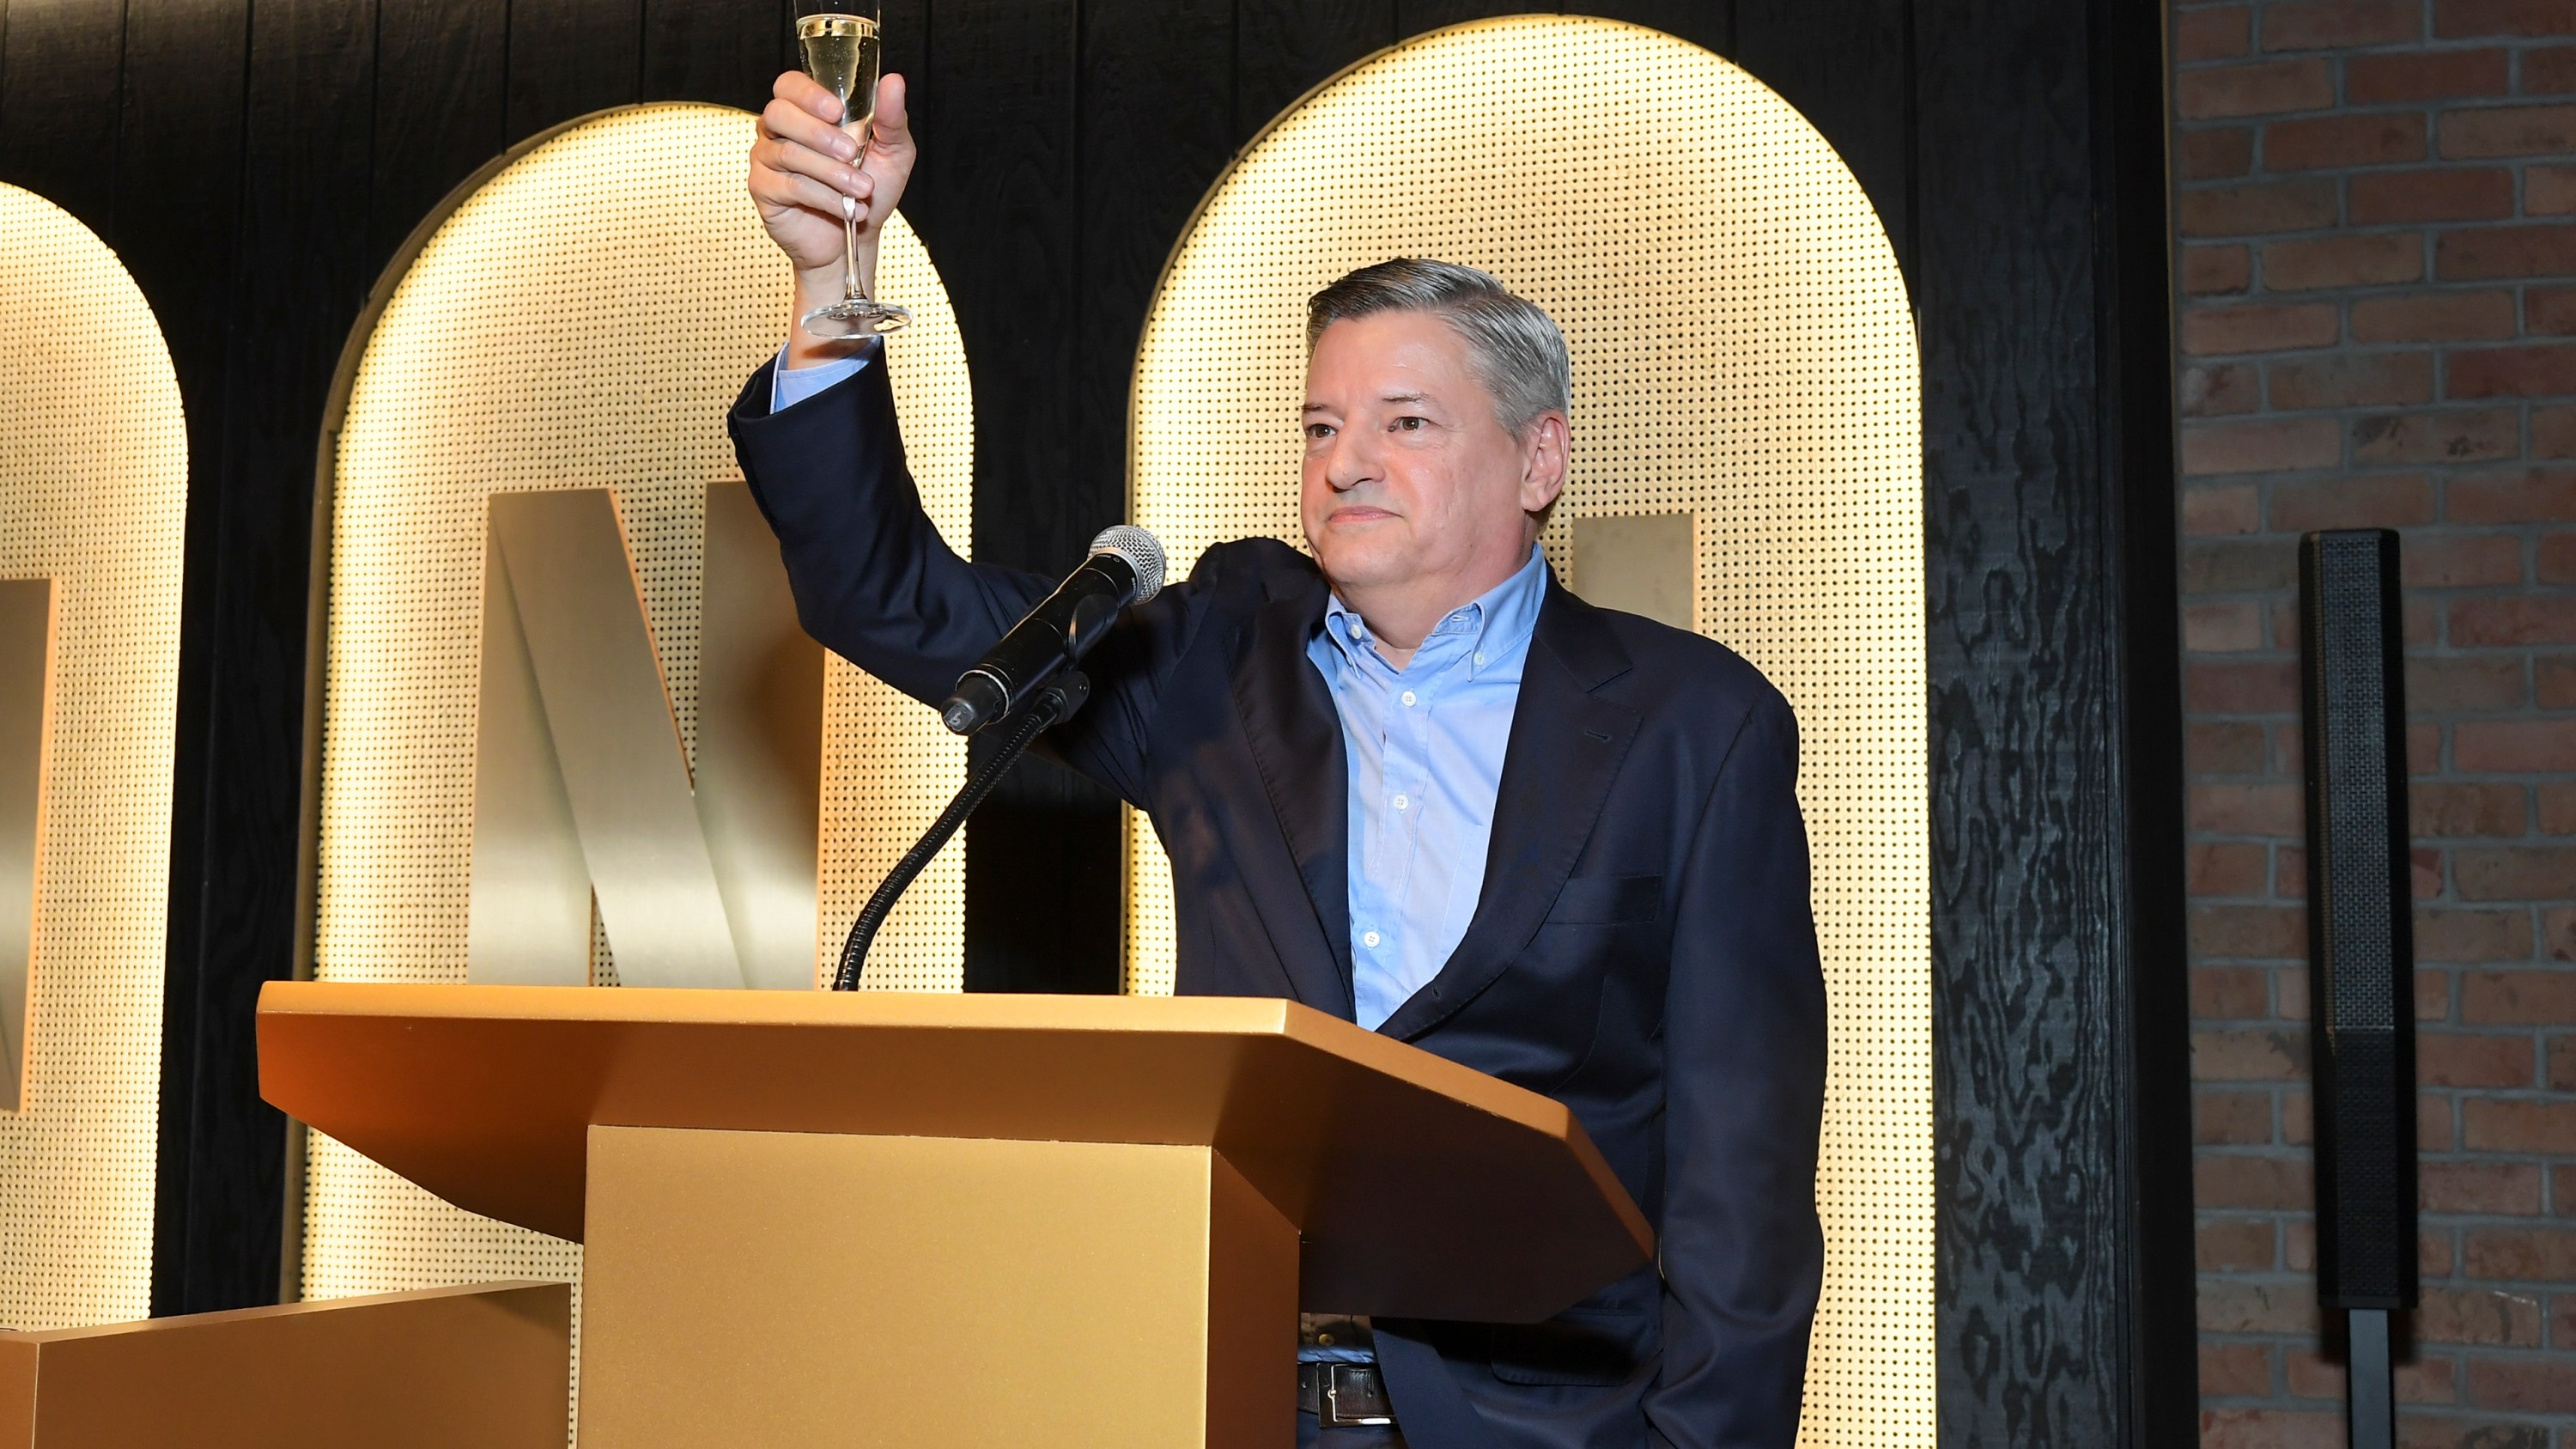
{"x":1139,"y":550}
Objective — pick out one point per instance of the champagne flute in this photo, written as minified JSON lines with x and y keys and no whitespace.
{"x":837,"y":40}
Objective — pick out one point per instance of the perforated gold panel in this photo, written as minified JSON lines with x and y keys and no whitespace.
{"x":536,"y":344}
{"x":1742,"y":353}
{"x":93,"y":495}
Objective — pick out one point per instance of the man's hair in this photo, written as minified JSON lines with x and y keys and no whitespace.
{"x":1516,"y":349}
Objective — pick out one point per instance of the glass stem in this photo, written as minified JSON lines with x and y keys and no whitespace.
{"x":850,"y":230}
{"x":850,"y":251}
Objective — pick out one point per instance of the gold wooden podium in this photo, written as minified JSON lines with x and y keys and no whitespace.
{"x":991,"y":1221}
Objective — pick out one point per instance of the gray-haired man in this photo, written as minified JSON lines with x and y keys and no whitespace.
{"x":1412,"y":781}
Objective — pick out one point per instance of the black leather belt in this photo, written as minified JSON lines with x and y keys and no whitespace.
{"x":1341,"y":1395}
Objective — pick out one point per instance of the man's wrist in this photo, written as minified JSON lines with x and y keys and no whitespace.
{"x":821,"y":287}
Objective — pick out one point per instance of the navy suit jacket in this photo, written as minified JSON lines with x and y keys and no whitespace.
{"x":1642,"y":951}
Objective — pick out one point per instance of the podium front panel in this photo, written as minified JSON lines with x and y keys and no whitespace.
{"x":800,"y":1289}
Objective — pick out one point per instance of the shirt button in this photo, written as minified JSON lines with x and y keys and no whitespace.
{"x":1401,"y":802}
{"x":1369,"y":939}
{"x":1480,"y":657}
{"x":1408,"y":699}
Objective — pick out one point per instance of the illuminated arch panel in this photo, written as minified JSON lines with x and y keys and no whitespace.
{"x":581,"y":319}
{"x":93,"y":496}
{"x":1743,"y":352}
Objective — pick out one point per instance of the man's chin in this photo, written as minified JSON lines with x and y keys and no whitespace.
{"x":1361,"y":568}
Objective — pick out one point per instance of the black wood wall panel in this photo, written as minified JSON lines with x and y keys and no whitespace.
{"x":1147,"y":117}
{"x":439,"y":113}
{"x":2134,"y":399}
{"x":724,"y":51}
{"x":1285,"y":48}
{"x":1708,"y":24}
{"x":2020,"y":743}
{"x":1413,"y":17}
{"x":302,"y":263}
{"x":58,"y":104}
{"x":1000,"y":182}
{"x":179,"y":193}
{"x":569,"y":58}
{"x":258,"y":163}
{"x":1847,"y":66}
{"x":2049,"y":532}
{"x":1157,"y":125}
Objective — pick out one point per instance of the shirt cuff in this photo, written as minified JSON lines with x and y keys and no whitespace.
{"x":789,"y":386}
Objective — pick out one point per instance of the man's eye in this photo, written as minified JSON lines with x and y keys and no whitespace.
{"x":1318,"y":432}
{"x":1410,"y":424}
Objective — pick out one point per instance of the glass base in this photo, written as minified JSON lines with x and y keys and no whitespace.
{"x":856,"y":317}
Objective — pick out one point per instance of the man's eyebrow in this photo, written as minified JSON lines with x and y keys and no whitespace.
{"x":1393,"y":397}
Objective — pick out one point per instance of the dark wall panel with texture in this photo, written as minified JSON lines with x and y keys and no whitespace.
{"x":178,"y":186}
{"x":2049,"y":537}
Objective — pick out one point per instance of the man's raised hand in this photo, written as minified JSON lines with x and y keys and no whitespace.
{"x":804,"y":166}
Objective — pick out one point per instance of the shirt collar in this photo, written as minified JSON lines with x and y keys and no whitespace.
{"x":1499,"y":620}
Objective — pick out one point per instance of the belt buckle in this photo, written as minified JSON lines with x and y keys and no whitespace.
{"x":1328,"y":1413}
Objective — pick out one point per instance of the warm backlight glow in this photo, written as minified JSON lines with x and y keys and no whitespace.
{"x":94,"y":496}
{"x":581,"y":320}
{"x":1743,"y":354}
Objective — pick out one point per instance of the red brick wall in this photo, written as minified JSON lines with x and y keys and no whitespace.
{"x":2376,"y":207}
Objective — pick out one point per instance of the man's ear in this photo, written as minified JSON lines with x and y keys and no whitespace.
{"x":1543,"y":462}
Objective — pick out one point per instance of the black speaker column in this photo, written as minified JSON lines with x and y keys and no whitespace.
{"x":2361,"y":950}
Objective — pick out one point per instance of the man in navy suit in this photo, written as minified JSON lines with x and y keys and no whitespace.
{"x":1414,"y":782}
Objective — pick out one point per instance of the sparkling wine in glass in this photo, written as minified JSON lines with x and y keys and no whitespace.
{"x":839,"y":45}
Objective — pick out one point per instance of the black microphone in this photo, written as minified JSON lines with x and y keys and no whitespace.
{"x":1125,"y":567}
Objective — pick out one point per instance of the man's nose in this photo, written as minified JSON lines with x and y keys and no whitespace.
{"x":1350,"y":463}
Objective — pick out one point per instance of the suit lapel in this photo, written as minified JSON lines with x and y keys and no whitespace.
{"x":1296,"y":739}
{"x":1566,"y":747}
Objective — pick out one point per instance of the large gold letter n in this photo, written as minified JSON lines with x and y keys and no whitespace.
{"x":583,"y":789}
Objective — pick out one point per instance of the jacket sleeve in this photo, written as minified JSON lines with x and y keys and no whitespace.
{"x":875,"y":582}
{"x":1744,"y":1041}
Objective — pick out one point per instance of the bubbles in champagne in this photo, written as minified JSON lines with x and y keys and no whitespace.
{"x":841,"y":53}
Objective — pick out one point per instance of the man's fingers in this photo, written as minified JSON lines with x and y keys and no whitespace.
{"x":789,"y":158}
{"x":807,"y":94}
{"x":806,"y":172}
{"x":783,"y":121}
{"x":778,"y":189}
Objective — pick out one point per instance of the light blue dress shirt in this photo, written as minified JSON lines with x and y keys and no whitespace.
{"x":1426,"y":749}
{"x":789,"y":386}
{"x":1425,"y":745}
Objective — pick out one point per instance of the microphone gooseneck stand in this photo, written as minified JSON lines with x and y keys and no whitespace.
{"x":1051,"y":706}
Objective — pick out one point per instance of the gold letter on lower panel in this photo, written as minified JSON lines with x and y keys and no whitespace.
{"x":584,"y":790}
{"x":1640,"y":563}
{"x":26,"y":632}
